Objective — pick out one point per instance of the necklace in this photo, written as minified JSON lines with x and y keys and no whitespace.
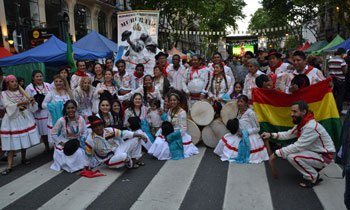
{"x":75,"y":129}
{"x":137,"y":115}
{"x":173,"y":113}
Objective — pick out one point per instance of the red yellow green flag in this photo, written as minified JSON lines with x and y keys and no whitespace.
{"x":274,"y":109}
{"x":70,"y":55}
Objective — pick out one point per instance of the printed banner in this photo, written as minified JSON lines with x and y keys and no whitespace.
{"x":138,"y":33}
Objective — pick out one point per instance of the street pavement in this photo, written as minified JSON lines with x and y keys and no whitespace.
{"x":199,"y":182}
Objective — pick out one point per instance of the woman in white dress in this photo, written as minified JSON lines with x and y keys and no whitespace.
{"x":85,"y":95}
{"x":138,"y":109}
{"x":178,"y":118}
{"x":98,"y":73}
{"x":57,"y":96}
{"x":108,"y":85}
{"x":220,"y":86}
{"x":38,"y":89}
{"x":149,"y":91}
{"x":70,"y":127}
{"x":18,"y":129}
{"x":227,"y":147}
{"x":160,"y":81}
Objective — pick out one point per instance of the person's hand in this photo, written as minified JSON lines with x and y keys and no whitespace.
{"x":61,"y":143}
{"x":161,"y":112}
{"x":293,"y":88}
{"x":265,"y":135}
{"x":331,"y":84}
{"x":100,"y":91}
{"x":144,"y":138}
{"x":290,"y":67}
{"x":239,"y":133}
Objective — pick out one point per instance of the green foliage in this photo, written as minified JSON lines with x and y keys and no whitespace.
{"x":211,"y":15}
{"x":292,"y":43}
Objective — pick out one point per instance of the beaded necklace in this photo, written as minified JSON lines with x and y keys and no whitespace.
{"x":14,"y":97}
{"x":73,"y":129}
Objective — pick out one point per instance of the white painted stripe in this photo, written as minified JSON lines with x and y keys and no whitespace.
{"x":84,"y":191}
{"x":330,"y":191}
{"x":247,"y":187}
{"x":31,"y":153}
{"x":25,"y":184}
{"x":168,"y":188}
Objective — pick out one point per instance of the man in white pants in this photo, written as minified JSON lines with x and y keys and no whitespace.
{"x":313,"y":150}
{"x":100,"y":145}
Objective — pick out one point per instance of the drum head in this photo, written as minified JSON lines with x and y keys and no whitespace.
{"x":212,"y":133}
{"x":193,"y":131}
{"x":229,"y":111}
{"x":202,"y":113}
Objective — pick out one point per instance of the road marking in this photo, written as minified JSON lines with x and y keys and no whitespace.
{"x":168,"y":188}
{"x":25,"y":184}
{"x":331,"y":190}
{"x":84,"y":191}
{"x":247,"y":187}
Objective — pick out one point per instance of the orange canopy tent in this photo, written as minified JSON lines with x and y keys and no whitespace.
{"x":174,"y":51}
{"x":4,"y":52}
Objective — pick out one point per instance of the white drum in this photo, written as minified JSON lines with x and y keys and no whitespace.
{"x":229,"y":111}
{"x":202,"y":113}
{"x":193,"y":131}
{"x":211,"y":134}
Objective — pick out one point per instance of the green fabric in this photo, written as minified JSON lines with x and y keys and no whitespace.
{"x":332,"y":125}
{"x":318,"y":45}
{"x":24,"y":71}
{"x":70,"y":55}
{"x":337,"y":40}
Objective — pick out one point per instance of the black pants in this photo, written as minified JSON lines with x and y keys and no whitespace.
{"x":339,"y":91}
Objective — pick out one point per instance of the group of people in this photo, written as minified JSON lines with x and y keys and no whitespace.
{"x":107,"y":115}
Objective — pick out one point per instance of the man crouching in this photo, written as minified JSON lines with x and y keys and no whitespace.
{"x":314,"y":148}
{"x":100,"y":146}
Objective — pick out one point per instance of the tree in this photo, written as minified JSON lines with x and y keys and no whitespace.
{"x":211,"y":15}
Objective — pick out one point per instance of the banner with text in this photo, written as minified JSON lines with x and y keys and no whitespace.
{"x":138,"y":32}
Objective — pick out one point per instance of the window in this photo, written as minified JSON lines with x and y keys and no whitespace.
{"x":52,"y":8}
{"x":102,"y":23}
{"x":82,"y":21}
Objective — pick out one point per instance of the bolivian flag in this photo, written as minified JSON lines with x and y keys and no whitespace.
{"x":274,"y":109}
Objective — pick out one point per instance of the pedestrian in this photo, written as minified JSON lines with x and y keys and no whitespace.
{"x":313,"y":150}
{"x":337,"y":68}
{"x":85,"y":95}
{"x":242,"y":70}
{"x":138,"y":75}
{"x":153,"y":116}
{"x":98,"y":73}
{"x":176,"y":74}
{"x":237,"y":90}
{"x":117,"y":114}
{"x":301,"y":67}
{"x":220,"y":87}
{"x":249,"y":81}
{"x":81,"y":72}
{"x":276,"y":65}
{"x":160,"y":80}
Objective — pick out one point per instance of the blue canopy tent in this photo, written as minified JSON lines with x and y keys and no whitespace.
{"x":97,"y":42}
{"x":345,"y":45}
{"x":52,"y":51}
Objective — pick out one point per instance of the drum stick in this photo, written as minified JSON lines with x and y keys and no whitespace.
{"x":272,"y":164}
{"x":23,"y":92}
{"x":267,"y":145}
{"x":69,"y":91}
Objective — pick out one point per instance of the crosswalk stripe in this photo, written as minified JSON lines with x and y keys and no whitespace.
{"x":25,"y":184}
{"x":31,"y":153}
{"x":247,"y":187}
{"x":83,"y":191}
{"x":331,"y":190}
{"x":168,"y":188}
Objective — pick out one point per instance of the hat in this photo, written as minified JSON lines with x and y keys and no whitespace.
{"x":273,"y":52}
{"x":94,"y":121}
{"x":261,"y":49}
{"x":161,"y":54}
{"x":71,"y":146}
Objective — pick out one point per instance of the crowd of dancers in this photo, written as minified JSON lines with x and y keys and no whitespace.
{"x":106,"y":114}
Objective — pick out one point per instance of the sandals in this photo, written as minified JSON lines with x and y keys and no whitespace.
{"x":310,"y":184}
{"x":6,"y":171}
{"x":140,"y":163}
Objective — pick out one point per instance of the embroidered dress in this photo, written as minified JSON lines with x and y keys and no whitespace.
{"x":281,"y":82}
{"x":160,"y":147}
{"x":76,"y":78}
{"x":112,"y":89}
{"x":104,"y":150}
{"x":228,"y":71}
{"x":152,"y":95}
{"x":125,"y":84}
{"x":137,"y":80}
{"x":64,"y":131}
{"x":280,"y":68}
{"x":52,"y":97}
{"x":227,"y":147}
{"x":177,"y":77}
{"x":219,"y":87}
{"x":249,"y":84}
{"x":18,"y":128}
{"x":85,"y":100}
{"x":314,"y":74}
{"x":142,"y":114}
{"x":41,"y":116}
{"x":154,"y":121}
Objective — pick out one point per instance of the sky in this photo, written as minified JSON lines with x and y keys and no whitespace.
{"x":248,"y":10}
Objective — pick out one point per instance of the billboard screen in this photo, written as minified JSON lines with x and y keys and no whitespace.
{"x":241,"y":49}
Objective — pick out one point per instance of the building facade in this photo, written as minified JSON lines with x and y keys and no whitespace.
{"x":29,"y":22}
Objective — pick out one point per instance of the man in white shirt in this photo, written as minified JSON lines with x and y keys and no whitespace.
{"x":276,"y":66}
{"x":176,"y":74}
{"x":313,"y":150}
